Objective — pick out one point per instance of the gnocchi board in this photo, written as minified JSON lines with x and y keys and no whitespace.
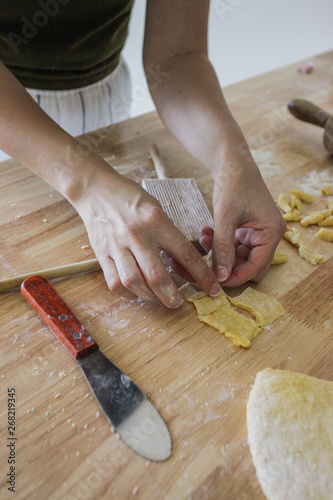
{"x":194,"y":376}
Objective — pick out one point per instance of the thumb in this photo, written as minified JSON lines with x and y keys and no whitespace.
{"x":223,"y":249}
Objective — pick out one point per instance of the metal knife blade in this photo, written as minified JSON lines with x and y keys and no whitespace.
{"x":133,"y":416}
{"x":127,"y":408}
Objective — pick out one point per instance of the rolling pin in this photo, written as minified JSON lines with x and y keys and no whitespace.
{"x":311,"y":113}
{"x":86,"y":266}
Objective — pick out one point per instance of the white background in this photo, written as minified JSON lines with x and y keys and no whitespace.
{"x":246,"y":38}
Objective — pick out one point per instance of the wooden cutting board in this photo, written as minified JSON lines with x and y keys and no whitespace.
{"x":195,"y":377}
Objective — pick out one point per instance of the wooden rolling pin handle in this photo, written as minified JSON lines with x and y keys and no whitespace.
{"x":55,"y":313}
{"x":308,"y":112}
{"x":158,"y":165}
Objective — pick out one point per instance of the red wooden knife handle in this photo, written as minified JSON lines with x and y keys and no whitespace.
{"x":55,"y":313}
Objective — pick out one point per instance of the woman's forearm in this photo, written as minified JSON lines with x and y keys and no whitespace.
{"x":190,"y":102}
{"x":248,"y":225}
{"x":30,"y":136}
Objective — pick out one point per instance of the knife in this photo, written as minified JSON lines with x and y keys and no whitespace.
{"x":127,"y":408}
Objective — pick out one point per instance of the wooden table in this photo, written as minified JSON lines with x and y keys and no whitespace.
{"x":195,"y":377}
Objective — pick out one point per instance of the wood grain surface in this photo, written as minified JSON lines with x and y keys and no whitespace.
{"x":196,"y":378}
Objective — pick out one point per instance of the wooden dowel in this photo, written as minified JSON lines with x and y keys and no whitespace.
{"x":158,"y":164}
{"x":87,"y":266}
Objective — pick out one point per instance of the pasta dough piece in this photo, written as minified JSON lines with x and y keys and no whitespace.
{"x":217,"y":312}
{"x":209,"y":305}
{"x":304,"y":251}
{"x":265,"y":309}
{"x":312,"y":219}
{"x":306,"y":197}
{"x":297,"y":239}
{"x":325,"y":234}
{"x":208,"y":259}
{"x":290,"y":434}
{"x":288,"y":235}
{"x":240,"y":329}
{"x":310,"y":255}
{"x":191,"y":293}
{"x":282,"y":202}
{"x":325,"y":213}
{"x":295,"y":202}
{"x":298,"y":204}
{"x":293,"y":236}
{"x":327,"y":189}
{"x":326,"y":222}
{"x":293,"y":216}
{"x":279,"y":258}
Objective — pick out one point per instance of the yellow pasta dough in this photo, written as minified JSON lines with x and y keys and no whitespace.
{"x":290,"y":435}
{"x":306,"y":197}
{"x":310,"y":255}
{"x":265,"y":309}
{"x":288,"y":235}
{"x":293,"y":216}
{"x":326,"y":222}
{"x":208,"y":259}
{"x":218,"y":313}
{"x":298,"y":204}
{"x":312,"y":219}
{"x":282,"y":202}
{"x":191,"y":293}
{"x":208,"y":305}
{"x":325,"y":234}
{"x":295,"y":202}
{"x":324,"y":213}
{"x":293,"y":236}
{"x":240,"y":329}
{"x":327,"y":189}
{"x":304,"y":251}
{"x":279,"y":258}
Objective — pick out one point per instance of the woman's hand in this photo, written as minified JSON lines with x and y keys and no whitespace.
{"x":189,"y":99}
{"x":248,"y":225}
{"x":128,"y":229}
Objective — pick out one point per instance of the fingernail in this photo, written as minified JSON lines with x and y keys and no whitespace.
{"x":221,"y":273}
{"x":215,"y":290}
{"x":178,"y":302}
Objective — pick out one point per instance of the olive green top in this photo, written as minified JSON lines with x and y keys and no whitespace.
{"x":62,"y":44}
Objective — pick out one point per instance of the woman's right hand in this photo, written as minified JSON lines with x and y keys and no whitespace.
{"x":128,"y":228}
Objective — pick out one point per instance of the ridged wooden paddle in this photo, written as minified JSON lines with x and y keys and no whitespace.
{"x":180,"y":198}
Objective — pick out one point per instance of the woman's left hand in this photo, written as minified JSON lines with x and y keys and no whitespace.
{"x":248,"y":225}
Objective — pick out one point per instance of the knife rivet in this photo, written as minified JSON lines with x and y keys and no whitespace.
{"x":62,"y":317}
{"x":76,"y":335}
